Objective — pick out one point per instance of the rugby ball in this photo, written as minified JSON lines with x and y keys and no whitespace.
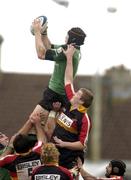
{"x":43,"y":21}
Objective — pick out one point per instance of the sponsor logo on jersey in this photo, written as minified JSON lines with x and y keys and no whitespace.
{"x":65,"y":120}
{"x":28,"y":164}
{"x":47,"y":177}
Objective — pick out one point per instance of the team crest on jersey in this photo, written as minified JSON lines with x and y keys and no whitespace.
{"x":65,"y":120}
{"x":47,"y":177}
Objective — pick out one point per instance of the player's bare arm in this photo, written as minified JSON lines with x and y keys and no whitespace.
{"x":69,"y":67}
{"x":40,"y":47}
{"x":77,"y":145}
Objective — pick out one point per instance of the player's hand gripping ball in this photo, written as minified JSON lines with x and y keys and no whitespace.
{"x":43,"y":21}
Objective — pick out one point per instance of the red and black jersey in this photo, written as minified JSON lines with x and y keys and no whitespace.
{"x":20,"y":165}
{"x":112,"y":178}
{"x":72,"y":125}
{"x":51,"y":172}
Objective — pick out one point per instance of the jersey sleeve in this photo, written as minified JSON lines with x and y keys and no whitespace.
{"x":52,"y":53}
{"x":37,"y":147}
{"x":7,"y":160}
{"x":67,"y":172}
{"x":85,"y":129}
{"x":69,"y":91}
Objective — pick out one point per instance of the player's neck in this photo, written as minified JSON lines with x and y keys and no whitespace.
{"x":51,"y":164}
{"x":24,"y":154}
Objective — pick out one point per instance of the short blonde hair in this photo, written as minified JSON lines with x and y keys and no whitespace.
{"x":49,"y":154}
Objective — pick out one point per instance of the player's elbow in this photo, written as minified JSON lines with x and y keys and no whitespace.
{"x":41,"y":53}
{"x":67,"y":81}
{"x":81,"y":146}
{"x":41,"y":57}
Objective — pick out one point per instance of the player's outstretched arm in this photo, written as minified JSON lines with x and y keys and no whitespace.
{"x":69,"y":66}
{"x":43,"y":30}
{"x":84,"y":173}
{"x":40,"y":47}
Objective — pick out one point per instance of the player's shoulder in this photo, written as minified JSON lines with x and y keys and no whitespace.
{"x":86,"y":118}
{"x":9,"y":157}
{"x":56,"y":46}
{"x":65,"y":170}
{"x":58,"y":49}
{"x":77,"y":54}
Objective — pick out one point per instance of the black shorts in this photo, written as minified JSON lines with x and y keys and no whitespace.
{"x":49,"y":96}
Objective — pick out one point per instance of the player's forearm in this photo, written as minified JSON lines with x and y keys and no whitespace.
{"x":69,"y":72}
{"x":86,"y":175}
{"x":40,"y":133}
{"x":25,"y":128}
{"x":46,"y":41}
{"x":40,"y":48}
{"x":73,"y":145}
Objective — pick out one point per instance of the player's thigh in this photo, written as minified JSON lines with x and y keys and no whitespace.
{"x":39,"y":110}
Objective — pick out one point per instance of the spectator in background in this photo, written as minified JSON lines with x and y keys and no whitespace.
{"x":26,"y":157}
{"x":50,"y":168}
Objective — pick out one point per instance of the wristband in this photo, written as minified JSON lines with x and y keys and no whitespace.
{"x":52,"y":114}
{"x":44,"y":33}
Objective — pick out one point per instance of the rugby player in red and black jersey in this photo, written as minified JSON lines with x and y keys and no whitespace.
{"x":26,"y":157}
{"x":50,"y":168}
{"x":73,"y":124}
{"x":115,"y":170}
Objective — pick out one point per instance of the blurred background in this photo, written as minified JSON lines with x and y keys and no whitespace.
{"x":105,"y":68}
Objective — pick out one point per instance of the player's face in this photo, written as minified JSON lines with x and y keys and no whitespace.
{"x":108,"y":170}
{"x":77,"y":97}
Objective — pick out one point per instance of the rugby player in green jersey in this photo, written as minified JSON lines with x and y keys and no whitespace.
{"x":55,"y":91}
